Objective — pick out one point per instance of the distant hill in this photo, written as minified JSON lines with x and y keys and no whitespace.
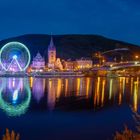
{"x":70,"y":46}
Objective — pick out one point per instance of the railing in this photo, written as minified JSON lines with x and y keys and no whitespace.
{"x":114,"y":65}
{"x":119,"y":49}
{"x":124,"y":65}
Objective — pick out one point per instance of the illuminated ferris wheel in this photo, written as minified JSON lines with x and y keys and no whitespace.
{"x":14,"y":56}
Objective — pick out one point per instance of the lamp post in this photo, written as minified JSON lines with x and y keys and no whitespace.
{"x":136,"y":57}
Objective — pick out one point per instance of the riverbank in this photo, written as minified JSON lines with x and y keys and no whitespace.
{"x":44,"y":74}
{"x":69,"y":74}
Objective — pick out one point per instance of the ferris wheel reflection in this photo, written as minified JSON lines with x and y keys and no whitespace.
{"x":15,"y":96}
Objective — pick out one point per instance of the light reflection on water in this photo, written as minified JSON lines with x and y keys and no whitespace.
{"x":15,"y":96}
{"x":61,"y":93}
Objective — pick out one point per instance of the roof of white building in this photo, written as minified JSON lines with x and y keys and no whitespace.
{"x":38,"y":57}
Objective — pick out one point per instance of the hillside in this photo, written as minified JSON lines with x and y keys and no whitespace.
{"x":70,"y":46}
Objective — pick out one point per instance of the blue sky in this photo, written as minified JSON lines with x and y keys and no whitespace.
{"x":117,"y":19}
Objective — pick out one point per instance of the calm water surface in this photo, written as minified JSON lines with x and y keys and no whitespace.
{"x":68,"y":108}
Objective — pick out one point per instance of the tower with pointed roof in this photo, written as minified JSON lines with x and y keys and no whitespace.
{"x":51,"y":54}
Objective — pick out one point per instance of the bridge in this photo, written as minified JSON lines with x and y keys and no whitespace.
{"x":112,"y":66}
{"x":123,"y":65}
{"x":115,"y":50}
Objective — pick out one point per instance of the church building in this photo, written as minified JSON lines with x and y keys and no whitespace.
{"x":51,"y":55}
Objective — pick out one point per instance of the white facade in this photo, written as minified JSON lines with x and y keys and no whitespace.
{"x":84,"y":63}
{"x":38,"y":62}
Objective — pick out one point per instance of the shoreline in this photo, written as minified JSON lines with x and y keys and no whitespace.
{"x":66,"y":74}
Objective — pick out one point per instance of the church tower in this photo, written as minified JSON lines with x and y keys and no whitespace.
{"x":51,"y":54}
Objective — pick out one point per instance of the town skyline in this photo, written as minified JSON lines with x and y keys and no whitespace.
{"x":69,"y":69}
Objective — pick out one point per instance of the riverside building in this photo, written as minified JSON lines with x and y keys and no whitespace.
{"x":38,"y":63}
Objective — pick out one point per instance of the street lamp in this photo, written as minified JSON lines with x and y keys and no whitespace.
{"x":136,"y":56}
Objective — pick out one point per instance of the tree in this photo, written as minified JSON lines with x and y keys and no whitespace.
{"x":127,"y":135}
{"x":10,"y":136}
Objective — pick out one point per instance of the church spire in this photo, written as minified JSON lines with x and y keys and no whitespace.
{"x":51,"y":42}
{"x":51,"y":45}
{"x":51,"y":54}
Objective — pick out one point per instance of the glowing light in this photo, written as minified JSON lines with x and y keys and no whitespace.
{"x":120,"y":99}
{"x":15,"y":57}
{"x":136,"y":56}
{"x":78,"y":85}
{"x":120,"y":91}
{"x":15,"y":95}
{"x":136,"y":62}
{"x":15,"y":110}
{"x":127,"y":80}
{"x":123,"y":84}
{"x":110,"y":88}
{"x":131,"y":85}
{"x":135,"y":96}
{"x":103,"y":92}
{"x":97,"y":94}
{"x":98,"y":90}
{"x":59,"y":88}
{"x":31,"y":82}
{"x":87,"y":87}
{"x":13,"y":83}
{"x":38,"y":88}
{"x":5,"y":56}
{"x":66,"y":86}
{"x":51,"y":95}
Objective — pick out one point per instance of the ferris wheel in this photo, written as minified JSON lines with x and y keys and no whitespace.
{"x":14,"y":56}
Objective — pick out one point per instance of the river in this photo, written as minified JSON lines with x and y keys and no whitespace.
{"x":69,"y":108}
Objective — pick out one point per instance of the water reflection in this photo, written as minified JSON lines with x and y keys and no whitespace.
{"x":52,"y":86}
{"x":38,"y":88}
{"x":96,"y":93}
{"x":15,"y":96}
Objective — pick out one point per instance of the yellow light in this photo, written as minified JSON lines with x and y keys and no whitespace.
{"x":135,"y":96}
{"x":98,"y":91}
{"x":78,"y":86}
{"x":31,"y":82}
{"x":110,"y":88}
{"x":87,"y":86}
{"x":136,"y":56}
{"x":120,"y":91}
{"x":51,"y":94}
{"x":59,"y":83}
{"x":136,"y":62}
{"x":123,"y":86}
{"x":131,"y":85}
{"x":97,"y":96}
{"x":66,"y":86}
{"x":103,"y":92}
